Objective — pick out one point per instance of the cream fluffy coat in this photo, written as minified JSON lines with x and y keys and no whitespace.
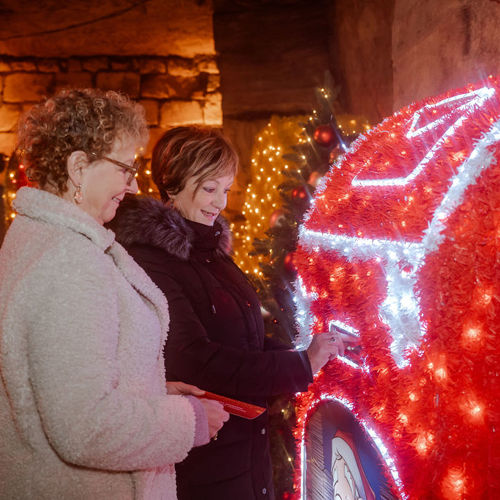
{"x":83,"y":407}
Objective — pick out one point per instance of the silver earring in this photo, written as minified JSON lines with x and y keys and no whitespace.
{"x":78,"y":196}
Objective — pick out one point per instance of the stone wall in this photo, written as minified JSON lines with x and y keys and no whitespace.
{"x":440,"y":45}
{"x":272,"y":56}
{"x":173,"y":90}
{"x":160,"y":52}
{"x":361,"y":55}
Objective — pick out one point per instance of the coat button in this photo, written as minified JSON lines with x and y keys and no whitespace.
{"x":208,"y":261}
{"x":264,"y":491}
{"x":217,"y":233}
{"x":263,"y":430}
{"x":248,"y":304}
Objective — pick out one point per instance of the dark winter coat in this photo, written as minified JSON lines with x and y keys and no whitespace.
{"x":216,"y":341}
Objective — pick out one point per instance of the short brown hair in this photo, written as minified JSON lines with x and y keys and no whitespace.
{"x":88,"y":120}
{"x":192,"y":151}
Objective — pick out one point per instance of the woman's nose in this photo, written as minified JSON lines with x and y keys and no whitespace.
{"x":134,"y":187}
{"x":220,"y":201}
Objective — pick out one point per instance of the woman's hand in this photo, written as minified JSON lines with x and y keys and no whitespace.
{"x":326,"y":346}
{"x":216,"y":416}
{"x":182,"y":388}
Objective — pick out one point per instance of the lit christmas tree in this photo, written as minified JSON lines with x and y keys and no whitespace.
{"x":289,"y":158}
{"x":262,"y":206}
{"x":15,"y":178}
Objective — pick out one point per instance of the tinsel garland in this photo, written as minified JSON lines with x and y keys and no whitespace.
{"x":401,"y":247}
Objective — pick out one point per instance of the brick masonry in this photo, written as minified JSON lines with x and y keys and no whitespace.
{"x":174,"y":90}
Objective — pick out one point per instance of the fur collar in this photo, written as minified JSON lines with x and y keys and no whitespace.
{"x":147,"y":221}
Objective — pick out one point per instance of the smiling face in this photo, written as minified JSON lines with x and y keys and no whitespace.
{"x":203,"y":202}
{"x":104,"y":184}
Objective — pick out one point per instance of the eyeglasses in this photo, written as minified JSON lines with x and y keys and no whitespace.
{"x":131,"y":169}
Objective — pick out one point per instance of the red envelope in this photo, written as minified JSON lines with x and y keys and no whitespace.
{"x":235,"y":407}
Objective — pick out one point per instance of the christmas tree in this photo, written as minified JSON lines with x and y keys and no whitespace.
{"x":289,"y":159}
{"x":321,"y":139}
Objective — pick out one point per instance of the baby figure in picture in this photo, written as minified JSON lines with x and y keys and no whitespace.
{"x":349,"y":480}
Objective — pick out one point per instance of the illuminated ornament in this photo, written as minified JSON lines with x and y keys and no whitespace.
{"x":325,"y":136}
{"x":277,"y":217}
{"x":21,"y":179}
{"x":299,"y":194}
{"x":288,"y":264}
{"x":314,"y":179}
{"x":400,"y":247}
{"x":335,"y":154}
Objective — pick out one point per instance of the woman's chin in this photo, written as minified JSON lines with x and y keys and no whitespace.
{"x":207,"y":219}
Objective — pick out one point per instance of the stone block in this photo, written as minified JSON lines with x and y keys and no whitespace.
{"x":23,"y":66}
{"x":48,"y":65}
{"x":9,"y":116}
{"x":154,"y":135}
{"x":178,"y":66}
{"x":174,"y":113}
{"x":4,"y":67}
{"x":156,"y":86}
{"x":158,"y":27}
{"x":126,"y":82}
{"x":212,"y":110}
{"x":77,"y":80}
{"x":26,"y":107}
{"x":198,"y":95}
{"x":213,"y":83}
{"x":7,"y":142}
{"x":152,"y":66}
{"x":27,"y":87}
{"x":207,"y":64}
{"x":124,"y":64}
{"x":183,"y":88}
{"x":74,"y":65}
{"x":152,"y":108}
{"x":95,"y":64}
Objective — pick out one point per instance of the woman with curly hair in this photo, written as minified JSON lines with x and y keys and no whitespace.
{"x":84,"y":409}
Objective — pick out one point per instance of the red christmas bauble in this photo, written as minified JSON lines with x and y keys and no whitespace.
{"x":277,"y":217}
{"x":21,"y":179}
{"x":288,"y":263}
{"x":325,"y":136}
{"x":335,"y":154}
{"x":299,"y":193}
{"x":314,"y":178}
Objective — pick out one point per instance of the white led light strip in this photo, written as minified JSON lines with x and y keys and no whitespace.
{"x":400,"y":310}
{"x":477,"y":99}
{"x":471,"y":99}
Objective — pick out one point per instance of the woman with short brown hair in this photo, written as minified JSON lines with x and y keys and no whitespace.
{"x":217,"y":334}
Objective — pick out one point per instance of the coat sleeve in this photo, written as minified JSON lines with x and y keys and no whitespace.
{"x":92,"y":415}
{"x":192,"y":357}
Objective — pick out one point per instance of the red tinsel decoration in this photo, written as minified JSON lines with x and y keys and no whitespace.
{"x":435,"y":407}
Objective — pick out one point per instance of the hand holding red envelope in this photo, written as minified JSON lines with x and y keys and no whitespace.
{"x":235,"y":407}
